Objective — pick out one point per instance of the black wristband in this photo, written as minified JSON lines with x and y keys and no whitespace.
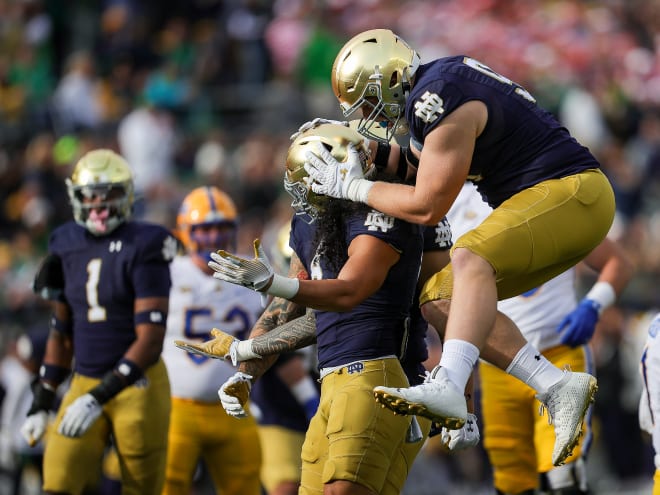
{"x":110,"y":385}
{"x":382,"y":156}
{"x":44,"y":398}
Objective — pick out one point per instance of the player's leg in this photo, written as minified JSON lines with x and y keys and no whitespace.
{"x":508,"y":430}
{"x":71,"y":464}
{"x":362,"y":437}
{"x":232,"y":451}
{"x":281,"y":464}
{"x":184,"y":447}
{"x":140,"y":417}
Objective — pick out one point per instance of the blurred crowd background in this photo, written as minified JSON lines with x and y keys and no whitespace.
{"x":208,"y":92}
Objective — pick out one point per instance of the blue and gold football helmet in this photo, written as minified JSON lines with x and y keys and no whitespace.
{"x":101,"y":191}
{"x":335,"y":138}
{"x":372,"y":73}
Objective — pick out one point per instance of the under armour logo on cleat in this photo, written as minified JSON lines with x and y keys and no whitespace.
{"x":537,"y":357}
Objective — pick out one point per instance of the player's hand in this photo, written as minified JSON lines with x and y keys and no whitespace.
{"x":234,"y":394}
{"x":467,"y":436}
{"x":578,"y":326}
{"x":80,"y":416}
{"x":336,"y":179}
{"x":221,"y":346}
{"x":315,"y":123}
{"x":34,"y":427}
{"x":255,"y":274}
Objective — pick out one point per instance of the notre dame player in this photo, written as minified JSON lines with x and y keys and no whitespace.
{"x":108,"y":279}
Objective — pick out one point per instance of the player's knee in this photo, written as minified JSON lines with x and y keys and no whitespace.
{"x":569,"y":479}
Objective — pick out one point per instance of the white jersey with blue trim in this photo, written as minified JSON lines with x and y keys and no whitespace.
{"x":537,"y":312}
{"x":199,"y":303}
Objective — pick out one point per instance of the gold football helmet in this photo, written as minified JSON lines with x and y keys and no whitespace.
{"x":101,"y":191}
{"x":207,"y":221}
{"x":335,"y":138}
{"x":372,"y":73}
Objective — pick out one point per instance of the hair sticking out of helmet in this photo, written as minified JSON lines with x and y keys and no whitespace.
{"x":335,"y":138}
{"x":372,"y":74}
{"x":207,"y":221}
{"x":101,"y":191}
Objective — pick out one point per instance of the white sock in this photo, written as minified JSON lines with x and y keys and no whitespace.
{"x":458,"y":360}
{"x":532,"y":367}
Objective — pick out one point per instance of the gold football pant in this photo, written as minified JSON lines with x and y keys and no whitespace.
{"x":351,"y":437}
{"x":536,"y":234}
{"x":138,"y":418}
{"x":281,"y":449}
{"x":518,"y":440}
{"x":229,"y":446}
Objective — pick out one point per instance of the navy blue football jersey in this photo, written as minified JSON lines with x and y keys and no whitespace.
{"x":102,"y":278}
{"x":521,"y":145}
{"x":374,"y":328}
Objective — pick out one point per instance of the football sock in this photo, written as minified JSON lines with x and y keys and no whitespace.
{"x":458,"y":359}
{"x":533,"y":368}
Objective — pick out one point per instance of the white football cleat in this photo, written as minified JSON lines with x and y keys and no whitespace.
{"x":437,"y":399}
{"x":567,"y":402}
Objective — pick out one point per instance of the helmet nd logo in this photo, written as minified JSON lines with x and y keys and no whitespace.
{"x":429,"y":108}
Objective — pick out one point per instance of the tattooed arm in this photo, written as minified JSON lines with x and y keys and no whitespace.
{"x":271,"y":338}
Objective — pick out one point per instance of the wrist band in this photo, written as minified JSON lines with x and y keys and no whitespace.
{"x":602,"y":293}
{"x":358,"y":190}
{"x":53,"y":373}
{"x":244,"y":351}
{"x":284,"y":287}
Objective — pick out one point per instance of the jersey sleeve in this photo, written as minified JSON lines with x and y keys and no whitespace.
{"x":151,"y":270}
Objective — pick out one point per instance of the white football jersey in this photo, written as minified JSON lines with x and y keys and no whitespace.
{"x":537,"y":312}
{"x":198,"y":303}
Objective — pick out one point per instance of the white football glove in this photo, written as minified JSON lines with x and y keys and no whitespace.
{"x":315,"y":123}
{"x":343,"y":180}
{"x":234,"y":394}
{"x":34,"y":427}
{"x":80,"y":416}
{"x":254,"y":274}
{"x":467,"y":436}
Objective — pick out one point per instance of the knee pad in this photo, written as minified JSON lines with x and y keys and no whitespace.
{"x":569,"y":479}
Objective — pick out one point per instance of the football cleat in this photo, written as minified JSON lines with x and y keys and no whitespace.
{"x":567,"y":402}
{"x":437,"y":399}
{"x":335,"y":138}
{"x":219,"y":347}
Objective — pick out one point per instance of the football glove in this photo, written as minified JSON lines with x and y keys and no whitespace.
{"x":80,"y":416}
{"x":343,"y":180}
{"x":255,"y":274}
{"x":234,"y":394}
{"x":315,"y":123}
{"x":221,"y":346}
{"x":467,"y":436}
{"x":578,"y":326}
{"x":34,"y":427}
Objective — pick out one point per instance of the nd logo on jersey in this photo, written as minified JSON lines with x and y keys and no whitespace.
{"x":377,"y":220}
{"x":429,"y":107}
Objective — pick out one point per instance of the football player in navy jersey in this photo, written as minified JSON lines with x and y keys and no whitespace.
{"x":358,"y":269}
{"x":109,"y":281}
{"x":552,"y":206}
